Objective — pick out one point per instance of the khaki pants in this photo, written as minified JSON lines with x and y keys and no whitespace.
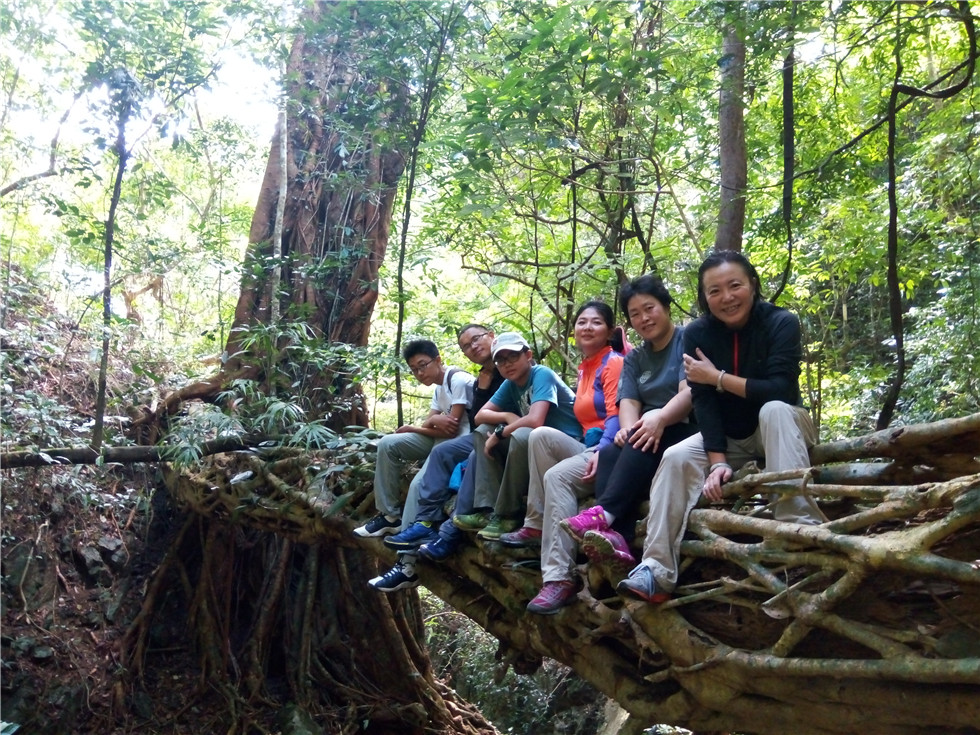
{"x":782,"y":439}
{"x":556,"y":463}
{"x":394,"y":451}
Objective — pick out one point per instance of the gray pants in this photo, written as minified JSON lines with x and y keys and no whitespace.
{"x":782,"y":439}
{"x":487,"y":473}
{"x":394,"y":451}
{"x":556,"y":463}
{"x":564,"y":488}
{"x":512,"y":475}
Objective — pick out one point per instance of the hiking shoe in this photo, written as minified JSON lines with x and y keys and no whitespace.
{"x":412,"y":537}
{"x":641,"y":585}
{"x":609,"y":548}
{"x":396,"y":578}
{"x":553,"y":597}
{"x":497,"y":527}
{"x":523,"y":536}
{"x":380,"y":525}
{"x":438,"y":550}
{"x":472,"y":521}
{"x":590,"y":519}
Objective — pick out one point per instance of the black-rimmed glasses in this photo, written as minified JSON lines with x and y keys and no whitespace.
{"x":469,"y":345}
{"x":509,"y":359}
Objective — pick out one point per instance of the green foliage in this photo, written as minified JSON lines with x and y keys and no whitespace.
{"x":571,"y":145}
{"x":293,"y":400}
{"x":582,"y":149}
{"x":466,"y":656}
{"x":183,"y":216}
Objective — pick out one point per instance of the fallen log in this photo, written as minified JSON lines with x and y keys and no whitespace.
{"x":121,"y":455}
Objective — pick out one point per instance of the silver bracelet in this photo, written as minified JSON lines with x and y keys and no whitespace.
{"x":718,"y":386}
{"x":716,"y":465}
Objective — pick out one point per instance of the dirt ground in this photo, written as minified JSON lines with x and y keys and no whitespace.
{"x":78,"y":546}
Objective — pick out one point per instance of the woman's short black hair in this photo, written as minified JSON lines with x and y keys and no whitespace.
{"x":647,"y":284}
{"x":720,"y":257}
{"x":602,"y":308}
{"x":420,"y":347}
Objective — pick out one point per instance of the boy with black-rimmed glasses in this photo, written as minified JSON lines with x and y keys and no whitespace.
{"x":446,"y":420}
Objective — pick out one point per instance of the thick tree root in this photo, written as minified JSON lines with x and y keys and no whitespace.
{"x":866,"y":623}
{"x":274,"y":620}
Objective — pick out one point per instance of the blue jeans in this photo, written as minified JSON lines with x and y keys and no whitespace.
{"x":433,"y":487}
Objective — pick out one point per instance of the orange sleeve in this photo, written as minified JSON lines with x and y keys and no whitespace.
{"x":610,"y":383}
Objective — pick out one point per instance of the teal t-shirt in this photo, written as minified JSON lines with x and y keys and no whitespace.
{"x":542,"y":385}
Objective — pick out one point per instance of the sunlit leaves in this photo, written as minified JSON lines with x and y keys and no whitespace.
{"x":572,"y":143}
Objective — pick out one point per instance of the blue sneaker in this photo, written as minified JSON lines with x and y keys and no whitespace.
{"x":438,"y":550}
{"x":642,"y":586}
{"x":380,"y":525}
{"x":412,"y":537}
{"x":399,"y":577}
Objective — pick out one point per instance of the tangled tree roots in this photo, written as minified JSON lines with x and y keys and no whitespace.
{"x":276,"y":620}
{"x":869,"y":622}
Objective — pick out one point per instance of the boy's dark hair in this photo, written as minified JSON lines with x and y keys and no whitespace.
{"x":719,"y":257}
{"x":647,"y":284}
{"x":420,"y":347}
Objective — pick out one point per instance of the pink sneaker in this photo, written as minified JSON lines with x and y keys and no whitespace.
{"x":590,"y":519}
{"x":609,"y":548}
{"x":523,"y":536}
{"x":553,"y":597}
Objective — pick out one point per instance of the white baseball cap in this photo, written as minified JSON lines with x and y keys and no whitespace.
{"x":509,"y":341}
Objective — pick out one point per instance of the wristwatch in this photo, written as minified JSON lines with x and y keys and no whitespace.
{"x":499,"y":430}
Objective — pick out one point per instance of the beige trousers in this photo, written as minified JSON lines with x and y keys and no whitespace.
{"x":781,"y":440}
{"x":556,"y":462}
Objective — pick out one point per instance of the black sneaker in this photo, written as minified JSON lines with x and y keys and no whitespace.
{"x":380,"y":525}
{"x":395,"y":579}
{"x":412,"y":537}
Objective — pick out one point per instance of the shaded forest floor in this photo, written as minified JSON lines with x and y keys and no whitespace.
{"x":79,"y":544}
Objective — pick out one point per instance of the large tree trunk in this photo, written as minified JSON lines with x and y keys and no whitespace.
{"x":345,"y":148}
{"x":340,"y":193}
{"x":274,"y":619}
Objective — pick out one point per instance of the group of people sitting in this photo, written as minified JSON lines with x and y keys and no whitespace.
{"x":666,"y":421}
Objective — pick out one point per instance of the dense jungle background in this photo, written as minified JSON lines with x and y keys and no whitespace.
{"x":220,"y":222}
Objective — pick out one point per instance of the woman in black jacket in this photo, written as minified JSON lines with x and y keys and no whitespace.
{"x":742,"y":361}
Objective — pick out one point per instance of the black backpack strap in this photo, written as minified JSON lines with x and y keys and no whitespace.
{"x":449,"y":379}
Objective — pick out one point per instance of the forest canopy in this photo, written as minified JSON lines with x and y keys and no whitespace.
{"x":564,"y":146}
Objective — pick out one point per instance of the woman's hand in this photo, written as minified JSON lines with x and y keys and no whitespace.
{"x":591,"y":466}
{"x":700,"y":369}
{"x":621,"y":437}
{"x":647,"y":431}
{"x":717,"y":477}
